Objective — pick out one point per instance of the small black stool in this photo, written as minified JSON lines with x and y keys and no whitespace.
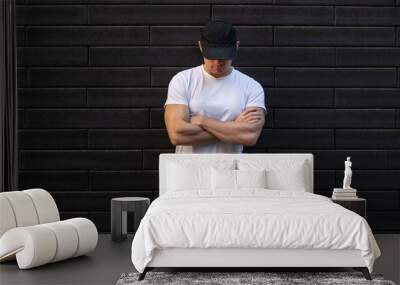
{"x":119,"y":209}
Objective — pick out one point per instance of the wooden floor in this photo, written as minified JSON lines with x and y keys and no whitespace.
{"x":103,"y":266}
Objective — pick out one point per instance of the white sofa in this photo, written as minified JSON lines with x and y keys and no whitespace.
{"x":31,"y":231}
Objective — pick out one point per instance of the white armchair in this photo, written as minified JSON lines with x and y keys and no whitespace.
{"x":31,"y":230}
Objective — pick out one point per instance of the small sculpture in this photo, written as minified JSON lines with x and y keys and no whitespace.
{"x":347,"y":174}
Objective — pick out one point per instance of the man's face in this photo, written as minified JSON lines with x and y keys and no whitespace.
{"x":217,"y":66}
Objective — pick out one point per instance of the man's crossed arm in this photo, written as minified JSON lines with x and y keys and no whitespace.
{"x":182,"y":130}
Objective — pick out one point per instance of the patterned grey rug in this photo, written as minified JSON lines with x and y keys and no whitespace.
{"x":244,"y":278}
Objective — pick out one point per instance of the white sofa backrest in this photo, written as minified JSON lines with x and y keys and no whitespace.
{"x":26,"y":208}
{"x":165,"y":159}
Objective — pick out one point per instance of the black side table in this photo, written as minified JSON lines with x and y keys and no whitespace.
{"x":357,"y":205}
{"x":119,"y":211}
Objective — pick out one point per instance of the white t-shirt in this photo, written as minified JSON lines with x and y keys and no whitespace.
{"x":222,"y":98}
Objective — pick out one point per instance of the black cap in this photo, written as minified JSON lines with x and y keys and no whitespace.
{"x":218,"y":40}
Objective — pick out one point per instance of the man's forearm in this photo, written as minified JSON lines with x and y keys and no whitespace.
{"x":190,"y":134}
{"x":230,"y":132}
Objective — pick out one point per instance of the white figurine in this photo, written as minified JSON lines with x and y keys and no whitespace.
{"x":347,"y":174}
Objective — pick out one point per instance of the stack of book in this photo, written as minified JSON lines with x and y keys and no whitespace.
{"x":343,"y":194}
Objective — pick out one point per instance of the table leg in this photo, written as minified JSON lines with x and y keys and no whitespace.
{"x":117,"y":222}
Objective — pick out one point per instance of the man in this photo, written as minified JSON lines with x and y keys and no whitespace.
{"x":214,"y":108}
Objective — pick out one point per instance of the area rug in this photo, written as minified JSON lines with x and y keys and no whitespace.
{"x":244,"y":278}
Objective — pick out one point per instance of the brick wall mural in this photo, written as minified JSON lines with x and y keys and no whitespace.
{"x":93,"y":78}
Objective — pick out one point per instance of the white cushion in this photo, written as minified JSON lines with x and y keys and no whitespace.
{"x":282,"y":174}
{"x":186,"y":174}
{"x":231,"y":180}
{"x":223,"y":179}
{"x":251,"y":178}
{"x":188,"y":177}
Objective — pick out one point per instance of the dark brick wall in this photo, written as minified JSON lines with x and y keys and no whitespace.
{"x":93,"y":76}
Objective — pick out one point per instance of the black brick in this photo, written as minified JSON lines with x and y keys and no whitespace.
{"x":368,"y":56}
{"x":264,"y":75}
{"x":82,"y":159}
{"x":274,"y":15}
{"x":331,"y":118}
{"x":53,"y":139}
{"x":54,"y":180}
{"x":367,"y":16}
{"x":175,"y":35}
{"x":299,"y":97}
{"x":335,"y":2}
{"x":367,"y":97}
{"x":285,"y":56}
{"x":128,"y":139}
{"x":157,"y":119}
{"x":86,"y":35}
{"x":324,"y":179}
{"x":384,"y":221}
{"x":141,"y":56}
{"x":381,"y":200}
{"x":334,"y":36}
{"x":51,"y":15}
{"x":394,"y":159}
{"x":51,"y":97}
{"x":21,"y":118}
{"x":90,"y":77}
{"x":335,"y":77}
{"x":20,"y":36}
{"x":22,"y":77}
{"x":52,"y":56}
{"x":277,"y":138}
{"x":86,"y":118}
{"x":126,"y":97}
{"x":363,"y":139}
{"x":148,"y":14}
{"x":398,"y":119}
{"x":161,"y":76}
{"x":124,"y":180}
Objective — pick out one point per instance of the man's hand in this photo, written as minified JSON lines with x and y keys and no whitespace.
{"x":196,"y":120}
{"x":250,"y":115}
